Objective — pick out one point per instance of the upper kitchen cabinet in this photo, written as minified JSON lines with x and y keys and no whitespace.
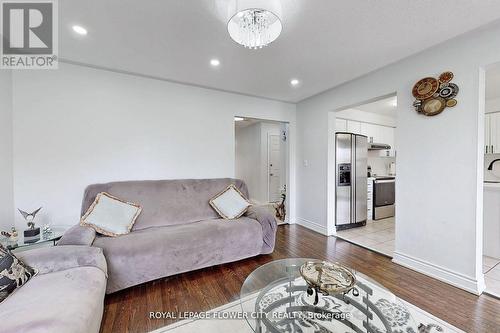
{"x":387,"y":136}
{"x":371,"y":131}
{"x":375,"y":133}
{"x":340,"y":125}
{"x":354,"y":126}
{"x":492,"y":133}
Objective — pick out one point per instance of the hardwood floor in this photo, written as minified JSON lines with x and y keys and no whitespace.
{"x":202,"y":290}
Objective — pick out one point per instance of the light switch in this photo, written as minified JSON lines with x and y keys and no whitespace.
{"x":306,"y":163}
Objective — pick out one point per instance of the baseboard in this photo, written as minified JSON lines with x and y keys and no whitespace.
{"x":454,"y":278}
{"x":312,"y":225}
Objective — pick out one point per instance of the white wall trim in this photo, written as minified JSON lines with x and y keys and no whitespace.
{"x":443,"y":274}
{"x":313,"y":226}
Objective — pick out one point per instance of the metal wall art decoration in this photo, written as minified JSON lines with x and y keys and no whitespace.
{"x":434,"y":95}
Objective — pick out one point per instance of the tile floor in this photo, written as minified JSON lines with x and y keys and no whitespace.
{"x":491,"y":270}
{"x":376,"y":235}
{"x":379,"y":236}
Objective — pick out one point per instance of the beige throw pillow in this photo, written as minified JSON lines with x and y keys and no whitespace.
{"x":111,"y":216}
{"x":230,"y":203}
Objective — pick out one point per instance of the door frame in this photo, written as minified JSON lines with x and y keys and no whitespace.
{"x":331,"y":174}
{"x":290,"y":163}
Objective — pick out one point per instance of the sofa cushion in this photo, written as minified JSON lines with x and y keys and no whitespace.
{"x":166,"y":202}
{"x":154,"y":253}
{"x":67,"y":295}
{"x":230,"y":203}
{"x":111,"y":216}
{"x":14,"y":273}
{"x":69,"y":301}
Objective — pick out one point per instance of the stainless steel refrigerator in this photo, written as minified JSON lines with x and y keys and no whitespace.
{"x":351,"y":156}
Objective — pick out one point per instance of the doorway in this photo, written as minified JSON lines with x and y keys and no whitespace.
{"x":491,"y":185}
{"x":372,"y":174}
{"x":262,"y":162}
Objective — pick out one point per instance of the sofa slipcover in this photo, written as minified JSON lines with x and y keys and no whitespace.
{"x":67,"y":294}
{"x":176,"y":232}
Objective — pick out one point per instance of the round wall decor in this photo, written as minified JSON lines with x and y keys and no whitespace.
{"x":433,"y":95}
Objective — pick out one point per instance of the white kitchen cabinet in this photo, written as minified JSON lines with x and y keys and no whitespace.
{"x":375,"y":133}
{"x":340,"y":125}
{"x":387,"y":137}
{"x":492,"y":133}
{"x":354,"y":126}
{"x":372,"y":131}
{"x":487,"y":133}
{"x":369,"y":201}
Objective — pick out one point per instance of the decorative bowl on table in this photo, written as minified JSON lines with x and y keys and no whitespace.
{"x":328,"y":278}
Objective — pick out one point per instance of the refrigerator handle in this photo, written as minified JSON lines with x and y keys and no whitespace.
{"x":353,"y":179}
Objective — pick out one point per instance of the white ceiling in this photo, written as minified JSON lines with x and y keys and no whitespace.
{"x":385,"y":107}
{"x":493,"y":81}
{"x":324,"y":43}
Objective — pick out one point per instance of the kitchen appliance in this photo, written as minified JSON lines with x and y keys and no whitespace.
{"x":351,"y":157}
{"x":384,"y":198}
{"x":378,"y":146}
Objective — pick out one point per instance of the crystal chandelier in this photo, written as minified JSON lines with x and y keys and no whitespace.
{"x":254,"y":24}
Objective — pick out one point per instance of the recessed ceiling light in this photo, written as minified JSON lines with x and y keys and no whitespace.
{"x":79,"y":30}
{"x":294,"y":82}
{"x":215,"y":62}
{"x":238,"y":119}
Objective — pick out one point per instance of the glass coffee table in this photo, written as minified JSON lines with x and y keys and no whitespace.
{"x":275,"y":299}
{"x":51,"y":237}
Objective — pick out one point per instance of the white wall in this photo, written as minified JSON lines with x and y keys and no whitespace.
{"x":379,"y":165}
{"x":76,"y":126}
{"x":440,"y":159}
{"x":6,"y":187}
{"x":248,"y":147}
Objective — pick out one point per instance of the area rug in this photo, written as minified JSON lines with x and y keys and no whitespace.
{"x":404,"y":317}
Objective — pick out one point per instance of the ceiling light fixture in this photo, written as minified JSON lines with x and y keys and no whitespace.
{"x":80,"y":30}
{"x":238,"y":119}
{"x":214,"y":62}
{"x":254,"y":23}
{"x":294,"y":82}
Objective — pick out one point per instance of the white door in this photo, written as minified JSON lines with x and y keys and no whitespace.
{"x":274,"y":167}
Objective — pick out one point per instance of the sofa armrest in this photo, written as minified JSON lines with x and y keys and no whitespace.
{"x":268,"y":223}
{"x":78,"y":235}
{"x":58,"y":258}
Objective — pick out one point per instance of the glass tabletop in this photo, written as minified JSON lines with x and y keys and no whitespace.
{"x":275,"y":298}
{"x":55,"y":234}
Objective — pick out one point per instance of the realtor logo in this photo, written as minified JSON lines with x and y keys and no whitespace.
{"x":29,"y":31}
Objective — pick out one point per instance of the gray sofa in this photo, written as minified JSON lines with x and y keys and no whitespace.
{"x":67,"y":294}
{"x":177,"y":231}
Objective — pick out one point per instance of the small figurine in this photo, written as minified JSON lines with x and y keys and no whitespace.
{"x":32,"y":234}
{"x":30,"y":217}
{"x":13,"y":234}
